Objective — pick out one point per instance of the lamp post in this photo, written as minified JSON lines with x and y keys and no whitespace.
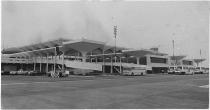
{"x":115,"y":35}
{"x":173,"y":54}
{"x":201,"y":58}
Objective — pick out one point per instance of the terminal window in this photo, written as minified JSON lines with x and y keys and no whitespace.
{"x":143,"y":60}
{"x":158,"y":60}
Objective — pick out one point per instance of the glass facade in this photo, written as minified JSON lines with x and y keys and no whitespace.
{"x":158,"y":60}
{"x":185,"y":62}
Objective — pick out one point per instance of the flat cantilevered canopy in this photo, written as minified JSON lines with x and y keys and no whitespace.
{"x":34,"y":53}
{"x":198,"y":60}
{"x":67,"y":46}
{"x":177,"y":57}
{"x":43,"y":45}
{"x":141,"y":52}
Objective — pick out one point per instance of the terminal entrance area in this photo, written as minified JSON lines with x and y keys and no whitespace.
{"x":158,"y":70}
{"x":112,"y":70}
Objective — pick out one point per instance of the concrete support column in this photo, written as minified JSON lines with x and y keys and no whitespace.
{"x":103,"y":63}
{"x":148,"y":60}
{"x":27,"y":60}
{"x":84,"y":56}
{"x":111,"y":65}
{"x":16,"y":59}
{"x":79,"y":56}
{"x":52,"y":65}
{"x":120,"y":65}
{"x":63,"y":61}
{"x":34,"y":63}
{"x":83,"y":59}
{"x":167,"y":60}
{"x":40,"y":69}
{"x":96,"y":60}
{"x":74,"y":57}
{"x":47,"y":63}
{"x":115,"y":59}
{"x":91,"y":56}
{"x":197,"y":64}
{"x":137,"y":59}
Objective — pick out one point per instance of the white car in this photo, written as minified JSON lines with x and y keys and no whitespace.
{"x":13,"y":72}
{"x":58,"y":73}
{"x":31,"y":73}
{"x":21,"y":72}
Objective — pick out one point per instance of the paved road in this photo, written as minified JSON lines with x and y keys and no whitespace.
{"x":117,"y":92}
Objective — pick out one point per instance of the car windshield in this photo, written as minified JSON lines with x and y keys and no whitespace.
{"x":172,"y":68}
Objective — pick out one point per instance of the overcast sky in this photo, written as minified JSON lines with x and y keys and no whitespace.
{"x":140,"y":24}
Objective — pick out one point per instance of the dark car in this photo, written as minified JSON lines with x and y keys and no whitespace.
{"x":5,"y":72}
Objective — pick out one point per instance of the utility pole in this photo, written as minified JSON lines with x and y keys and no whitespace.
{"x":201,"y":58}
{"x":115,"y":35}
{"x":173,"y":51}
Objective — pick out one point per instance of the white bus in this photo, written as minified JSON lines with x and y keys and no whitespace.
{"x":137,"y":70}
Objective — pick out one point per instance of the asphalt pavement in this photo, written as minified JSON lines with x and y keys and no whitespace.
{"x":105,"y":92}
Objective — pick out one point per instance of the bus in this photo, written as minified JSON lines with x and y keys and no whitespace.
{"x":136,"y":70}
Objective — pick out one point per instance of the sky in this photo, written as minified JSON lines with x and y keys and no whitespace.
{"x":140,"y":24}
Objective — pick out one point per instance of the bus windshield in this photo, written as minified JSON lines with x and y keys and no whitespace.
{"x":134,"y":68}
{"x":139,"y":68}
{"x":179,"y":67}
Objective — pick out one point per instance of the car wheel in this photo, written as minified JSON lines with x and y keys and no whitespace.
{"x":141,"y":74}
{"x":132,"y":74}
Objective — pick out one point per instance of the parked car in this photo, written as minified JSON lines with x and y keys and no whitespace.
{"x":59,"y":73}
{"x":32,"y":73}
{"x":13,"y":72}
{"x":21,"y":72}
{"x":5,"y":72}
{"x":174,"y":70}
{"x":199,"y":70}
{"x":206,"y":71}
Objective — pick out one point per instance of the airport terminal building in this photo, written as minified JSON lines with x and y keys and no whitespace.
{"x":81,"y":55}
